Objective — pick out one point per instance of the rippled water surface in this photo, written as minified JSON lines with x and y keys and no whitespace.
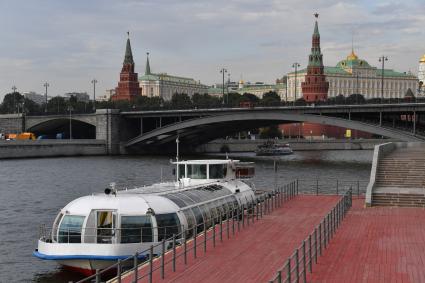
{"x":32,"y":191}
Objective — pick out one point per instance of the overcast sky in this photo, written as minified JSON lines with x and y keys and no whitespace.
{"x":68,"y":43}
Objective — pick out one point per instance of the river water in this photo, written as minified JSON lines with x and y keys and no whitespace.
{"x":32,"y":191}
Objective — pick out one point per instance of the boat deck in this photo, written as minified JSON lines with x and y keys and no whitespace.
{"x":256,"y":252}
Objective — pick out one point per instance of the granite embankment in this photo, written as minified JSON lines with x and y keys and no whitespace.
{"x":51,"y":148}
{"x":245,"y":145}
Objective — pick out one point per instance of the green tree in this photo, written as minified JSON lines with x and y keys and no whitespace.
{"x":233,"y":99}
{"x":11,"y":102}
{"x":270,"y":98}
{"x":270,"y":132}
{"x":250,"y":97}
{"x":57,"y":104}
{"x":300,"y":102}
{"x":356,"y":99}
{"x":180,"y":101}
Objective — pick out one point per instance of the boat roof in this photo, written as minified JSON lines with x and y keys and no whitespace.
{"x":207,"y":161}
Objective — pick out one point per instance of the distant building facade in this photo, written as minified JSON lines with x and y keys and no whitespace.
{"x":164,"y":85}
{"x":353,"y":75}
{"x":35,"y":97}
{"x":106,"y":95}
{"x":128,"y":86}
{"x":258,"y":88}
{"x":80,"y":96}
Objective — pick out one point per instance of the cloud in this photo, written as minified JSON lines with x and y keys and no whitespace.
{"x":70,"y":42}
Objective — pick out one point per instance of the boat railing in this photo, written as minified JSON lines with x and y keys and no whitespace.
{"x":195,"y":238}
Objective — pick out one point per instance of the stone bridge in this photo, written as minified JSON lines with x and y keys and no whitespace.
{"x":156,"y":131}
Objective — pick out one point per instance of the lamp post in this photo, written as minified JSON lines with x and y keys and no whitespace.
{"x":227,"y":88}
{"x":94,"y":82}
{"x":14,"y":100}
{"x":295,"y":65}
{"x":46,"y":85}
{"x":70,"y":121}
{"x":223,"y":71}
{"x":382,"y":59}
{"x":286,"y":91}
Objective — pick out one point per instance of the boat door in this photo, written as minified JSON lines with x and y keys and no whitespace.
{"x":106,"y":224}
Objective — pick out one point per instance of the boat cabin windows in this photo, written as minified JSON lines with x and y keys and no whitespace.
{"x":217,"y":171}
{"x":70,"y":229}
{"x":168,"y":224}
{"x":136,"y":229}
{"x":106,"y":223}
{"x":182,"y":171}
{"x":196,"y":171}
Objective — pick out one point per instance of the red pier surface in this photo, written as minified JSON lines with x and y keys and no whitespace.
{"x":381,"y":244}
{"x":256,"y":252}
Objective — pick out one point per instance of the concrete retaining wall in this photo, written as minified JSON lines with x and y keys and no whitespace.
{"x":51,"y":148}
{"x":381,"y":151}
{"x":300,"y":145}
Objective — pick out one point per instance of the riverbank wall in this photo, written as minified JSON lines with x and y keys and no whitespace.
{"x":51,"y":148}
{"x":297,"y":145}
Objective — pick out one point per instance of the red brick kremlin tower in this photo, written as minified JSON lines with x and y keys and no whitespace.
{"x":128,"y":86}
{"x":315,"y":87}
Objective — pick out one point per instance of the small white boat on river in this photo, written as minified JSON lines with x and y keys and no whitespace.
{"x":93,"y":232}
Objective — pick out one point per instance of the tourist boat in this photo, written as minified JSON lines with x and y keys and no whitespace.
{"x":271,"y":149}
{"x":93,"y":232}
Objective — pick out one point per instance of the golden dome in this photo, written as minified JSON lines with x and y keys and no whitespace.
{"x":352,"y":56}
{"x":241,"y":82}
{"x":422,"y":60}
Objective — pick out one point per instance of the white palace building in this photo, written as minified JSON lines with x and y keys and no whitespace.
{"x":354,"y":75}
{"x":164,"y":85}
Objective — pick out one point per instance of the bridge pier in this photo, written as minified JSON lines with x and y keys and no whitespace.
{"x":108,"y":129}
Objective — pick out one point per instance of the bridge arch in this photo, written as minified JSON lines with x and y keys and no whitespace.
{"x":200,"y":130}
{"x":80,"y":128}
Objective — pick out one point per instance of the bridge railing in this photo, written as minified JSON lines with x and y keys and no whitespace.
{"x":301,"y":261}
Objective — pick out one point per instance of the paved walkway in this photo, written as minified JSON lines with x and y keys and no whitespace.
{"x":379,"y":244}
{"x":256,"y":252}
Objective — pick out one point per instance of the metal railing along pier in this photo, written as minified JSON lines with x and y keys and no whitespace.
{"x":301,"y":261}
{"x":195,"y":238}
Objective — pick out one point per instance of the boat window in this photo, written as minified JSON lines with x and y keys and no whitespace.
{"x":56,"y":226}
{"x":190,"y":222}
{"x":168,"y":224}
{"x":184,"y":196}
{"x":182,"y":173}
{"x":136,"y":229}
{"x":180,"y":203}
{"x":218,"y":171}
{"x":207,"y":216}
{"x":197,"y":171}
{"x":70,"y":229}
{"x":199,"y":219}
{"x":105,"y":226}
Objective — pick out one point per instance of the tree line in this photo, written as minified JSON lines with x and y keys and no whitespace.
{"x":16,"y":103}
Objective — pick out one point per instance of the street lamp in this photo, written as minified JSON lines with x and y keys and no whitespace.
{"x":295,"y":65}
{"x":14,"y":102}
{"x":94,"y":82}
{"x":223,"y":71}
{"x":382,"y":59}
{"x":227,"y":88}
{"x":70,"y":121}
{"x":46,"y":85}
